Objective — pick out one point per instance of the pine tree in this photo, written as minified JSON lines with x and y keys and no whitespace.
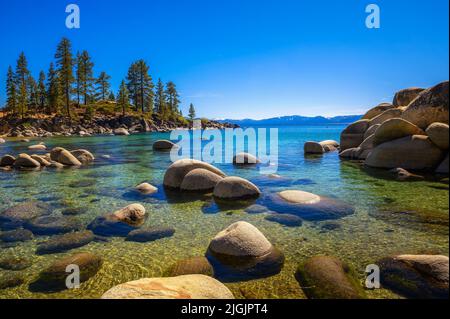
{"x":160,"y":101}
{"x":140,"y":86}
{"x":11,"y":91}
{"x":85,"y":77}
{"x":173,"y":99}
{"x":192,"y":112}
{"x":22,"y":75}
{"x":132,"y":85}
{"x":32,"y":89}
{"x":64,"y":63}
{"x":42,"y":93}
{"x":103,"y":85}
{"x":123,"y":98}
{"x":111,"y":96}
{"x":53,"y":90}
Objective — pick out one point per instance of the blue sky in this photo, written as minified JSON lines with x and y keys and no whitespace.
{"x":246,"y":58}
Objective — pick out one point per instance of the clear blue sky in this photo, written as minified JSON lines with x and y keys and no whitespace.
{"x":246,"y":58}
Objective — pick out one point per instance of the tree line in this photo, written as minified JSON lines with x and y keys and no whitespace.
{"x":70,"y":82}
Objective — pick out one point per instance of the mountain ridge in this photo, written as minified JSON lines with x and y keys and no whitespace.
{"x":295,"y":120}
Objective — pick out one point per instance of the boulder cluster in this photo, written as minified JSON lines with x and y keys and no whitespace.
{"x":57,"y":158}
{"x":411,"y":133}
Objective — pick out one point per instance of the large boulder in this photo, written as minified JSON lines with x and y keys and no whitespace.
{"x":406,"y":96}
{"x":308,"y":206}
{"x":235,"y":188}
{"x":133,"y":214}
{"x":181,"y":287}
{"x":63,"y":156}
{"x":176,"y":172}
{"x":353,"y":135}
{"x":386,"y":115}
{"x":54,"y":277}
{"x":416,"y":276}
{"x":163,"y":145}
{"x":443,"y":167}
{"x":25,"y":161}
{"x":311,"y":147}
{"x":371,"y":130}
{"x":121,"y":132}
{"x":84,"y":156}
{"x":200,"y":179}
{"x":377,"y":110}
{"x":439,"y":135}
{"x":430,"y":107}
{"x":415,"y":152}
{"x":7,"y":160}
{"x":62,"y":243}
{"x":242,"y":250}
{"x":326,"y":277}
{"x":41,"y":160}
{"x":365,"y":148}
{"x":393,"y":129}
{"x":245,"y":159}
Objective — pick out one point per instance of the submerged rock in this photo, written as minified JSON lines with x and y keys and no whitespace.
{"x":149,"y":234}
{"x":21,"y":213}
{"x":245,"y":159}
{"x":309,"y":206}
{"x":191,"y":266}
{"x":54,"y":277}
{"x":15,"y":263}
{"x":256,"y":209}
{"x":176,"y":172}
{"x":241,"y":250}
{"x":133,"y":214}
{"x":10,"y":281}
{"x":403,"y":174}
{"x":181,"y":287}
{"x":18,"y":235}
{"x":65,"y":242}
{"x":200,"y":179}
{"x":288,"y":220}
{"x":109,"y":226}
{"x":51,"y":225}
{"x":416,"y":276}
{"x":323,"y":277}
{"x":146,"y":189}
{"x":235,"y":188}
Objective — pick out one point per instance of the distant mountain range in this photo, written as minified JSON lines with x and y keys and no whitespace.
{"x":295,"y":120}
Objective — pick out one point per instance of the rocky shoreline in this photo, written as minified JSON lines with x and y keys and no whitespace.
{"x":99,"y":125}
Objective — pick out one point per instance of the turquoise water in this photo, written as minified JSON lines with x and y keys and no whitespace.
{"x":390,"y":216}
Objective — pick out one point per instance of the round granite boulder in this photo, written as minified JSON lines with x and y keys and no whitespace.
{"x":377,"y":110}
{"x":163,"y":145}
{"x":133,"y":214}
{"x":353,"y":135}
{"x":84,"y":156}
{"x":416,"y":276}
{"x":393,"y":129}
{"x":181,"y":287}
{"x":146,"y":189}
{"x":200,"y":179}
{"x":386,"y":115}
{"x":406,"y":96}
{"x":241,"y":250}
{"x":25,"y":161}
{"x":439,"y":135}
{"x":7,"y":160}
{"x":176,"y":172}
{"x":63,"y":156}
{"x":324,"y":277}
{"x":232,"y":187}
{"x":245,"y":159}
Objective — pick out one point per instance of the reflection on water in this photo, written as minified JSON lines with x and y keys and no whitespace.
{"x":389,"y":216}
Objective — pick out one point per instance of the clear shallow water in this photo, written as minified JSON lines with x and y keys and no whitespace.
{"x":391,"y":217}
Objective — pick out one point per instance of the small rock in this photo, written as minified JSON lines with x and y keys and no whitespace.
{"x":38,"y":147}
{"x":133,"y":214}
{"x":163,"y":145}
{"x":7,"y":160}
{"x":121,"y":132}
{"x":15,"y":263}
{"x":235,"y":188}
{"x":191,"y":266}
{"x":256,"y":209}
{"x":403,"y":174}
{"x":84,"y":156}
{"x":10,"y":281}
{"x":148,"y":234}
{"x":288,"y":220}
{"x":245,"y":159}
{"x":146,"y":189}
{"x":18,"y":235}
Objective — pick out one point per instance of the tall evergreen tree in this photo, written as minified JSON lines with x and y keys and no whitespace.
{"x":103,"y":85}
{"x":140,"y":86}
{"x":123,"y":98}
{"x":133,"y":84}
{"x":160,"y":101}
{"x":173,"y":99}
{"x":111,"y":96}
{"x":22,"y":74}
{"x":32,"y":88}
{"x":192,"y":112}
{"x":11,"y":91}
{"x":42,"y":93}
{"x":64,"y":63}
{"x":53,"y":90}
{"x":85,"y":77}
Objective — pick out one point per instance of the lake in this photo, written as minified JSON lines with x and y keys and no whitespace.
{"x":390,"y":216}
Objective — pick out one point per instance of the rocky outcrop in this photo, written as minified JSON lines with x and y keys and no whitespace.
{"x":235,"y":188}
{"x":415,"y":152}
{"x":416,"y":276}
{"x":181,"y":287}
{"x":176,"y":172}
{"x":431,"y":106}
{"x":323,"y":277}
{"x":406,"y":96}
{"x":377,"y":110}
